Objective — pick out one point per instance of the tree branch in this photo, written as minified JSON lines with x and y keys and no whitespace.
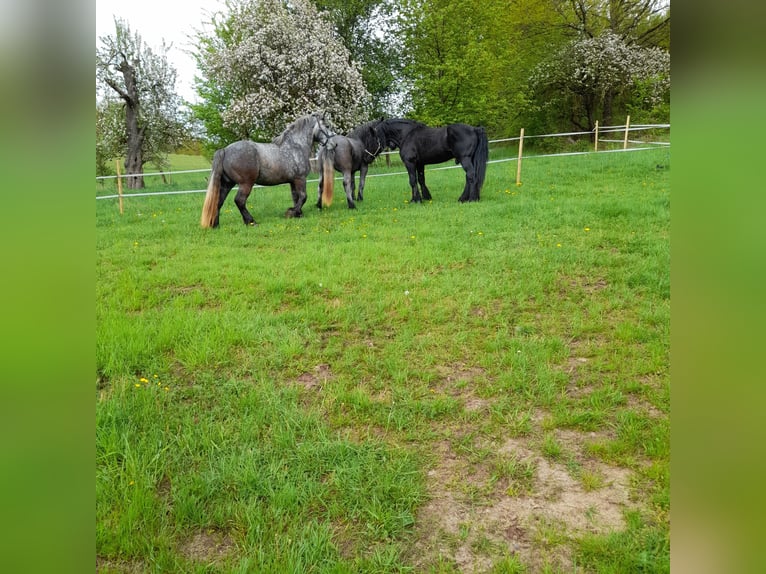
{"x":112,"y":84}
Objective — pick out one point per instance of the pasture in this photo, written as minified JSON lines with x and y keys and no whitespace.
{"x":439,"y":387}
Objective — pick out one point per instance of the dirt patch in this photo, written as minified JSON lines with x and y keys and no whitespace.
{"x":589,"y":285}
{"x":561,"y":497}
{"x":472,"y":517}
{"x":207,"y":546}
{"x":644,"y":406}
{"x":458,"y":380}
{"x":122,"y":566}
{"x":316,"y":378}
{"x":459,"y":373}
{"x":474,"y":404}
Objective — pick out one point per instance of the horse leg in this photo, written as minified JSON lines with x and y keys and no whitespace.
{"x":298,"y":190}
{"x":469,"y":191}
{"x":412,"y":173}
{"x":319,"y":189}
{"x":241,"y":200}
{"x":362,"y":177}
{"x":422,"y":181}
{"x":348,"y":185}
{"x":226,"y":187}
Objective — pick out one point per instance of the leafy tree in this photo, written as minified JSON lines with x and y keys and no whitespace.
{"x":110,"y":134}
{"x":270,"y":61}
{"x":470,"y":61}
{"x":642,"y":22}
{"x":366,"y":28}
{"x":144,"y":82}
{"x":585,"y":80}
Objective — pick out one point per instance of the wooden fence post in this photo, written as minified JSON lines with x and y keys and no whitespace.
{"x":119,"y":184}
{"x":596,"y":146}
{"x":627,"y":127}
{"x":518,"y":162}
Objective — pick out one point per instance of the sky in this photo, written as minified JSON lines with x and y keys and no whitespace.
{"x":156,"y":20}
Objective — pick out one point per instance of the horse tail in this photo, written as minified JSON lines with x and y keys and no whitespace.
{"x":480,"y":157}
{"x":328,"y":176}
{"x":210,"y":207}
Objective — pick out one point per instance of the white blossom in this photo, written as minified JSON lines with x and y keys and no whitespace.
{"x":280,"y":61}
{"x":595,"y":67}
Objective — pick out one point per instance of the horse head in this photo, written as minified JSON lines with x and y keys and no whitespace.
{"x":387,"y":134}
{"x":322,"y":132}
{"x":372,"y":143}
{"x":393,"y":131}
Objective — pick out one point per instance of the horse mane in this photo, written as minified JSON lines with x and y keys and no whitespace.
{"x":362,"y":133}
{"x":359,"y":131}
{"x":298,"y":124}
{"x":405,"y":121}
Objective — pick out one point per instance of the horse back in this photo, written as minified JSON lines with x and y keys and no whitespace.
{"x":240,"y":161}
{"x":347,"y":154}
{"x":426,"y":145}
{"x":268,"y":163}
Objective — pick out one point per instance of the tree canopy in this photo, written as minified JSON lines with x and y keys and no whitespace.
{"x":587,"y":79}
{"x":545,"y":65}
{"x":266,"y":63}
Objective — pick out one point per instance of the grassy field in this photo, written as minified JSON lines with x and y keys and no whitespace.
{"x":401,"y":388}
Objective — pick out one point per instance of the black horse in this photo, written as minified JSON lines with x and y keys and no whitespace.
{"x":421,"y":145}
{"x":347,"y":154}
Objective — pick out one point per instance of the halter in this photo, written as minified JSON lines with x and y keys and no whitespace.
{"x":327,"y":141}
{"x":373,"y":155}
{"x":327,"y":135}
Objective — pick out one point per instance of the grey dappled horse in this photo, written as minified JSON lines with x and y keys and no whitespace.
{"x":246,"y":163}
{"x":347,"y":154}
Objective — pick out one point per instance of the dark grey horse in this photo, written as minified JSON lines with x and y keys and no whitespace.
{"x":246,"y":163}
{"x":347,"y":154}
{"x":421,"y":145}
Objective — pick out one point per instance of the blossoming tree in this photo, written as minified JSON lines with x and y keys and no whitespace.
{"x":589,"y":77}
{"x":138,"y":115}
{"x":267,"y":62}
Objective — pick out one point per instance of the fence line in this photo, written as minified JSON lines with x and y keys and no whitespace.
{"x":601,"y":129}
{"x":369,"y":175}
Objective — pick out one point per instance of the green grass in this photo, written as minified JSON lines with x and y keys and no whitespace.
{"x":311,"y":385}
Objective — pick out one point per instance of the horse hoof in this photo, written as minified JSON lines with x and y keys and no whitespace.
{"x":351,"y":206}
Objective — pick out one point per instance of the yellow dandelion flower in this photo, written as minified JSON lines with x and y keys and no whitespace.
{"x":138,"y":386}
{"x":558,"y":245}
{"x":587,"y":229}
{"x":144,"y":380}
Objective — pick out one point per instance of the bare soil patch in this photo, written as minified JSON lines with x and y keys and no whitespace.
{"x":207,"y":546}
{"x":316,"y":378}
{"x":472,"y":530}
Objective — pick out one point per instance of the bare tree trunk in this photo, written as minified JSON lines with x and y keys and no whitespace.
{"x":134,"y":161}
